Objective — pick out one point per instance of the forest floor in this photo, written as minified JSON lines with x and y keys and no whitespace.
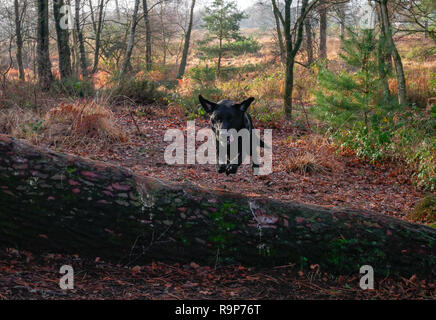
{"x":335,"y":179}
{"x":325,"y":177}
{"x":24,"y":276}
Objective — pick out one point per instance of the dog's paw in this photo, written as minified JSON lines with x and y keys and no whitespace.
{"x":231,"y":169}
{"x":221,"y":168}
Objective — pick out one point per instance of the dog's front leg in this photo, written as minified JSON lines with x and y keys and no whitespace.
{"x":232,"y":167}
{"x":219,"y":167}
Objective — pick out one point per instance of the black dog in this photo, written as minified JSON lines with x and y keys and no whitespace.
{"x":227,"y":115}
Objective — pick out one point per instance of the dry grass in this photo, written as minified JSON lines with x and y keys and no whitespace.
{"x":21,"y":123}
{"x":82,"y":123}
{"x":311,"y":154}
{"x":303,"y":163}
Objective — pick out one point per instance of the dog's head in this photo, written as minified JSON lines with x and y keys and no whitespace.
{"x":226,"y":114}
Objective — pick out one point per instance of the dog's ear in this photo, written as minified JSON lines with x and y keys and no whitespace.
{"x":246,"y":104}
{"x":208,"y":106}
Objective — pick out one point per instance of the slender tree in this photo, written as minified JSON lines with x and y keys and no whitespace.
{"x":19,"y":37}
{"x":384,"y":57}
{"x":83,"y":63}
{"x":401,"y":79}
{"x":131,"y":43}
{"x":323,"y":31}
{"x":117,"y":10}
{"x":276,"y":13}
{"x":146,"y":14}
{"x":309,"y":40}
{"x":98,"y":29}
{"x":294,"y":38}
{"x":187,"y":41}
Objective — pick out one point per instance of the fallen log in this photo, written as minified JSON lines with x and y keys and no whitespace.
{"x":54,"y":202}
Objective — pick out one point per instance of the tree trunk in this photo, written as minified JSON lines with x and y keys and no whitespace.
{"x":384,"y":58}
{"x":309,"y":42}
{"x":393,"y":48}
{"x":62,"y":41}
{"x":323,"y":32}
{"x":148,"y":58}
{"x":45,"y":77}
{"x":426,"y":29}
{"x":53,"y":202}
{"x":131,"y":43}
{"x":99,"y":26}
{"x":117,"y":10}
{"x":219,"y":57}
{"x":292,"y":50}
{"x":92,"y":14}
{"x":279,"y":32}
{"x":342,"y":15}
{"x":164,"y":41}
{"x":19,"y":40}
{"x":83,"y":64}
{"x":289,"y":86}
{"x":182,"y":66}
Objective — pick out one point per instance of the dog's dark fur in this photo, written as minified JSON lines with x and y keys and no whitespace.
{"x":229,"y":115}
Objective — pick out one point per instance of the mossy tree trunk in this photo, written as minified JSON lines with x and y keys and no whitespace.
{"x":61,"y":203}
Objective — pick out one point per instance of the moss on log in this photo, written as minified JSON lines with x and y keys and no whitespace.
{"x":62,"y":203}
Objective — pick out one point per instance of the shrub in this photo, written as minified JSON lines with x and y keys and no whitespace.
{"x":188,"y":100}
{"x":234,"y":48}
{"x":202,"y":74}
{"x":425,"y":210}
{"x":140,"y":91}
{"x":421,"y":53}
{"x":74,"y":87}
{"x":265,"y":113}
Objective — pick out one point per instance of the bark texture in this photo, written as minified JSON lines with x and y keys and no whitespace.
{"x":19,"y":38}
{"x":83,"y":63}
{"x":98,"y":30}
{"x":61,"y":203}
{"x":323,"y":31}
{"x":399,"y":69}
{"x":131,"y":43}
{"x":148,"y":58}
{"x":62,"y":41}
{"x":276,"y":13}
{"x":45,"y":77}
